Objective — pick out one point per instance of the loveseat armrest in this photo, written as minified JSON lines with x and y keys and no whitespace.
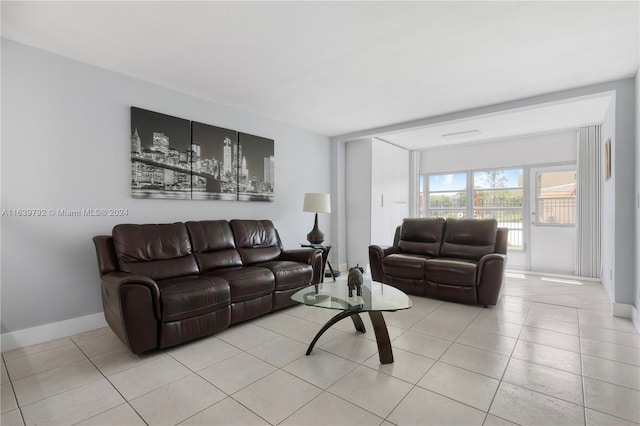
{"x":376,"y":254}
{"x":131,"y":306}
{"x":490,"y":278}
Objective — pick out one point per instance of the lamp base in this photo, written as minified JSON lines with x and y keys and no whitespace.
{"x":315,"y":236}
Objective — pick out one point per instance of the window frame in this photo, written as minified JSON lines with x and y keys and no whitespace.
{"x":470,"y":208}
{"x":537,"y":198}
{"x":427,"y":193}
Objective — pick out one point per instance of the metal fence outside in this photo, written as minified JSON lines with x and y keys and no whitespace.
{"x":556,"y":210}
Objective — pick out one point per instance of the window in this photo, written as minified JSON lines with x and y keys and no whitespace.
{"x":499,"y":194}
{"x":447,"y":195}
{"x":556,"y":198}
{"x":496,"y":194}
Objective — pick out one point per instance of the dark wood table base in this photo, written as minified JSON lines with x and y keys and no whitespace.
{"x":379,"y":328}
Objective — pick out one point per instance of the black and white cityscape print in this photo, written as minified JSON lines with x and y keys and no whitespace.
{"x":160,"y":155}
{"x":256,"y":168}
{"x":174,"y":158}
{"x":214,"y":162}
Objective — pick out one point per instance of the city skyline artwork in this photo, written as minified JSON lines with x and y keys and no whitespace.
{"x":174,"y":158}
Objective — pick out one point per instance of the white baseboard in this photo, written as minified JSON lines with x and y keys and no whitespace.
{"x":55,"y":330}
{"x":622,"y":310}
{"x":550,"y":275}
{"x":635,"y":317}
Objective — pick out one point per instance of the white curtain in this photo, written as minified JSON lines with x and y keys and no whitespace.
{"x":588,"y":202}
{"x":414,"y":183}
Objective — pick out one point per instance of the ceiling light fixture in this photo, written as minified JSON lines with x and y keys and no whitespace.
{"x":461,"y":135}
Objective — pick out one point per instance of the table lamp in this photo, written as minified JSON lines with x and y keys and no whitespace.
{"x":316,"y":203}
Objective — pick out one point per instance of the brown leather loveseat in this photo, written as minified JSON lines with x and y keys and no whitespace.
{"x":461,"y":260}
{"x":165,"y":284}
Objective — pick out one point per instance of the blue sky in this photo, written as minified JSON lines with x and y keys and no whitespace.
{"x":458,"y":181}
{"x":450,"y":182}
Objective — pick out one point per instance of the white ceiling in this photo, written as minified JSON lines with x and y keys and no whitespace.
{"x":557,"y":116}
{"x":342,"y":67}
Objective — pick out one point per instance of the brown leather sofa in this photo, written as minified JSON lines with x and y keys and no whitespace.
{"x":461,"y":260}
{"x":165,"y":284}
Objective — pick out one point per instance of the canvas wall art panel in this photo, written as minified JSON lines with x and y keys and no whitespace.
{"x":214,"y":162}
{"x":256,"y":168}
{"x":176,"y":158}
{"x":160,"y":155}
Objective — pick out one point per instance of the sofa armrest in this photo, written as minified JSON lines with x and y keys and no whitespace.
{"x":376,"y":254}
{"x":106,"y":254}
{"x":131,"y":306}
{"x":490,"y":278}
{"x":309,"y":256}
{"x":302,"y":255}
{"x":114,"y":281}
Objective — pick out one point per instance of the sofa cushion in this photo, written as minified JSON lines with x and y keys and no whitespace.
{"x":213,"y":244}
{"x":404,"y":265}
{"x":186,"y":297}
{"x":451,"y":271}
{"x":289,"y":274}
{"x":257,"y":241}
{"x":247,"y":282}
{"x":158,"y":251}
{"x":421,"y":236}
{"x":469,"y":238}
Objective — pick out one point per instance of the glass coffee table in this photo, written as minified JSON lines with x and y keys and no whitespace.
{"x":376,"y":298}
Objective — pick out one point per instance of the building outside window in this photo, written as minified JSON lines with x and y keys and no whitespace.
{"x":556,"y":198}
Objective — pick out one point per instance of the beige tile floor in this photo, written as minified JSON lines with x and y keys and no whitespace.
{"x":549,"y":353}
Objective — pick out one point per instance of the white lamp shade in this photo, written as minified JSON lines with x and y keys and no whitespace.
{"x":316,"y":202}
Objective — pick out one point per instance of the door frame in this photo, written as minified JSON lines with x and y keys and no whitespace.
{"x":531,"y":206}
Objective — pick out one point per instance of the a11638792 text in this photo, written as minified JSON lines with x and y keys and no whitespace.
{"x":64,"y":212}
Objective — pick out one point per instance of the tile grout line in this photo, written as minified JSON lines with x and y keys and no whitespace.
{"x":415,"y":385}
{"x":111,"y":384}
{"x":584,"y":390}
{"x":488,"y":412}
{"x":227,"y":395}
{"x":370,"y":368}
{"x":18,"y":407}
{"x":469,"y":325}
{"x":584,"y":406}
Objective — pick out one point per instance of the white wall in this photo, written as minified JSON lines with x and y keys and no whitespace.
{"x":619,"y":232}
{"x":558,"y":147}
{"x":621,"y":213}
{"x":359,"y":214}
{"x":525,"y":151}
{"x":636,"y":288}
{"x":377,"y":191}
{"x":66,"y":145}
{"x":337,"y":176}
{"x":608,"y":130}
